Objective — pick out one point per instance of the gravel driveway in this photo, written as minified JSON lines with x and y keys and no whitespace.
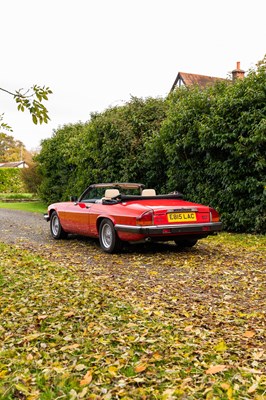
{"x":22,"y":226}
{"x":204,"y":281}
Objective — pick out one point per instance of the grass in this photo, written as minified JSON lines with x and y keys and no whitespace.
{"x":25,"y":206}
{"x":17,"y":196}
{"x":25,"y":202}
{"x":65,"y":334}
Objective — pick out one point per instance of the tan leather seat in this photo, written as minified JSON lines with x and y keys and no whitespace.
{"x":110,"y":193}
{"x":148,"y":192}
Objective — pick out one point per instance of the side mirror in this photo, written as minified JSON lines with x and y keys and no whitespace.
{"x":74,"y":199}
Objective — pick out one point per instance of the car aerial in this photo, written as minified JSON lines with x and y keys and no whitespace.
{"x":127,"y":212}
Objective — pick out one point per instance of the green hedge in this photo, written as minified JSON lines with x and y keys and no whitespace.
{"x":214,"y":146}
{"x":11,"y":180}
{"x":209,"y":144}
{"x":110,"y":147}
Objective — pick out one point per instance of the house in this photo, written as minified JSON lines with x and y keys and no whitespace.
{"x":238,"y":73}
{"x":187,"y":79}
{"x":17,"y":164}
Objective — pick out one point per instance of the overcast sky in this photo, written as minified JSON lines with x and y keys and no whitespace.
{"x":97,"y":53}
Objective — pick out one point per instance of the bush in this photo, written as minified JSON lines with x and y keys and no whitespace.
{"x":209,"y":144}
{"x":31,"y":178}
{"x":214,"y":146}
{"x":110,"y":147}
{"x":11,"y":180}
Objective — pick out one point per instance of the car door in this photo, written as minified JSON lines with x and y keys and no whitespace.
{"x":75,"y":218}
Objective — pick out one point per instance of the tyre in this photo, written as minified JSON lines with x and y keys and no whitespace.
{"x":185,"y":242}
{"x":109,"y":241}
{"x":56,"y":228}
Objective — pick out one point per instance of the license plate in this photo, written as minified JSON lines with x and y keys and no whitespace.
{"x":181,"y":217}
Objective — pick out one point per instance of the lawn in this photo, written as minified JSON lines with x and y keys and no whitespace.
{"x":30,"y":206}
{"x":22,"y":201}
{"x":17,"y":196}
{"x":67,"y":335}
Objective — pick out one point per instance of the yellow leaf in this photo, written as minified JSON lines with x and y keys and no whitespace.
{"x":140,"y":367}
{"x":215,"y":369}
{"x":112,"y":370}
{"x":249,"y":334}
{"x":221,"y":347}
{"x":3,"y":373}
{"x":230,"y":393}
{"x":159,"y":313}
{"x":86,"y":379}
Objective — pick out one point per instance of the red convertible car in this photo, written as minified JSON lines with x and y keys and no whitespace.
{"x":127,"y":212}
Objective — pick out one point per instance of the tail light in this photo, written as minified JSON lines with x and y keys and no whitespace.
{"x":145,"y":219}
{"x":214,"y":216}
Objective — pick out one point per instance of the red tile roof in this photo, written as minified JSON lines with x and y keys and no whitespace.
{"x":186,"y":79}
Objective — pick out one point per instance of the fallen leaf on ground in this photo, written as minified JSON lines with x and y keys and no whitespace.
{"x":140,"y":367}
{"x":249,"y":334}
{"x":86,"y":379}
{"x":253,"y":388}
{"x":215,"y":369}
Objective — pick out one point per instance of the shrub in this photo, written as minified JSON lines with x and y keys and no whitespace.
{"x":209,"y":144}
{"x":11,"y":180}
{"x":31,"y":178}
{"x":214,"y":146}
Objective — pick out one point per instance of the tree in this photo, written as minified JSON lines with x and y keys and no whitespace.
{"x":30,"y":99}
{"x":12,"y":150}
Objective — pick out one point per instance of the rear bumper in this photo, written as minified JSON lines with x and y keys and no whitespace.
{"x":165,"y":230}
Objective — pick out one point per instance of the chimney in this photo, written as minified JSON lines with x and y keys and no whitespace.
{"x":238,"y":73}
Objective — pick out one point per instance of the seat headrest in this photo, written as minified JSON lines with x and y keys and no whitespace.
{"x":148,"y":192}
{"x":110,"y":193}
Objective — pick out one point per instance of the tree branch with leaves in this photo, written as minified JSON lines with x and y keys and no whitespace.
{"x":32,"y":100}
